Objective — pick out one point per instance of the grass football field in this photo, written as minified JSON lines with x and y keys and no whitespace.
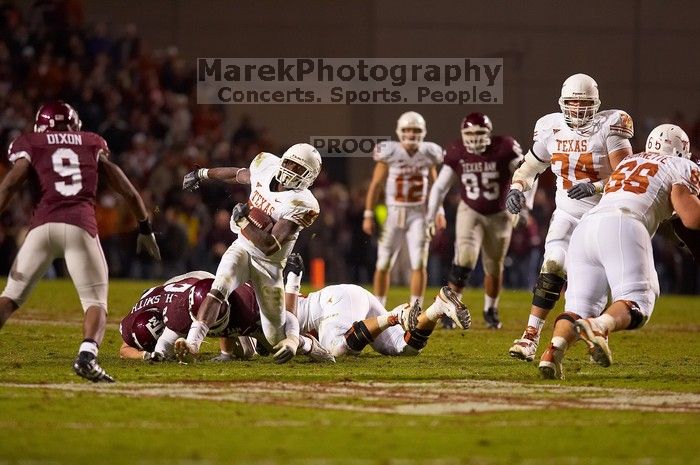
{"x":462,"y":401}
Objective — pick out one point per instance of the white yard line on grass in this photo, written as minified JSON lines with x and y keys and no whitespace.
{"x":414,"y":398}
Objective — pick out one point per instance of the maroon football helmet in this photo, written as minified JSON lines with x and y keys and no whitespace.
{"x":476,"y":132}
{"x":57,"y":116}
{"x":183,"y":311}
{"x":142,"y":328}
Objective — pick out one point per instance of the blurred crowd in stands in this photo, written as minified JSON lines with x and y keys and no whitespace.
{"x":142,"y":101}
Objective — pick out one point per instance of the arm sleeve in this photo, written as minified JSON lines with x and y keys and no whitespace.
{"x":441,"y":186}
{"x":19,"y":148}
{"x":524,"y":177}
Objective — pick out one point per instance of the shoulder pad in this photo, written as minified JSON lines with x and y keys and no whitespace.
{"x":547,"y":125}
{"x":620,"y":123}
{"x":384,"y":151}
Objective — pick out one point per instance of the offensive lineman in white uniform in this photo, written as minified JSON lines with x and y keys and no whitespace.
{"x":582,"y":146}
{"x":404,"y":168}
{"x":611,"y":247}
{"x":279,"y":187}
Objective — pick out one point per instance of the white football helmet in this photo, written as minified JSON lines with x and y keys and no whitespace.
{"x":411,"y":120}
{"x":309,"y":161}
{"x":669,"y":139}
{"x":579,"y":100}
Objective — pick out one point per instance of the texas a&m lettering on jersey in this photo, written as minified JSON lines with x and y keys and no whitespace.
{"x":485,"y":178}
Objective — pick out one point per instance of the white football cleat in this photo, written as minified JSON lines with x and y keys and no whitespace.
{"x":449,"y":304}
{"x":550,"y":363}
{"x":597,"y":343}
{"x":183,"y":351}
{"x":525,"y":348}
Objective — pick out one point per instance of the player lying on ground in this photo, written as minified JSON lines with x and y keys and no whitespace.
{"x":582,"y":146}
{"x":65,"y":162}
{"x":483,"y":164}
{"x":164,"y":313}
{"x":346,"y":317}
{"x":280,"y":205}
{"x":611,"y":251}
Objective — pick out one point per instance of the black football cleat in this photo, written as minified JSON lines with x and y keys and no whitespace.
{"x":86,"y":366}
{"x":492,"y":319}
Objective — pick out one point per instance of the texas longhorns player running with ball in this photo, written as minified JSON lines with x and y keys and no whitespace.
{"x":279,"y":190}
{"x":611,"y":249}
{"x":404,"y":168}
{"x":582,"y":146}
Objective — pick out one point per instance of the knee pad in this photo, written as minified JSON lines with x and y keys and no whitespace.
{"x":417,"y":339}
{"x":358,"y":336}
{"x":459,"y":275}
{"x":547,"y":289}
{"x":638,"y":319}
{"x":571,"y":317}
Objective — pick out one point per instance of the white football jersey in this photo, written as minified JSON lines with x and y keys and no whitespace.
{"x":578,"y":157}
{"x":641,"y":186}
{"x":300,"y":207}
{"x":407,"y":182}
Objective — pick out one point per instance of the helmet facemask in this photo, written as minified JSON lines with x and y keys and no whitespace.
{"x":578,"y":113}
{"x":476,"y":139}
{"x":299,"y":168}
{"x":411,"y":137}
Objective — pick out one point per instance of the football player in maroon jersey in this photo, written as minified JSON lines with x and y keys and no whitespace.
{"x":483,"y":164}
{"x":65,"y":163}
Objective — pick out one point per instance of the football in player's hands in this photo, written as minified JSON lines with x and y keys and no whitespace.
{"x":260,"y":219}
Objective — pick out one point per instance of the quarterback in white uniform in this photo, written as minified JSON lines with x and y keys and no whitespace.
{"x":582,"y":146}
{"x":611,"y":250}
{"x":279,"y":188}
{"x":404,"y":169}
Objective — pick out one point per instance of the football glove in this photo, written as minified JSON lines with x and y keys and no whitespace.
{"x":286,"y":349}
{"x":295,"y":264}
{"x":515,"y":201}
{"x":146,"y":240}
{"x":581,"y":191}
{"x":191,"y":181}
{"x":240,"y":212}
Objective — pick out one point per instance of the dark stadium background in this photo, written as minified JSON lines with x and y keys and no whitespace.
{"x":128,"y":67}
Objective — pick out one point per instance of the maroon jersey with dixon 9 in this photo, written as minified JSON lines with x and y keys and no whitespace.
{"x":66,"y":167}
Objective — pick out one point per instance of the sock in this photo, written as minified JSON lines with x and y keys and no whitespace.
{"x":433,"y":313}
{"x":305,"y":344}
{"x":88,"y":345}
{"x":388,"y":320}
{"x":197,"y":333}
{"x":560,"y":343}
{"x":490,"y":302}
{"x":414,"y":298}
{"x":536,"y":322}
{"x":381,"y":299}
{"x":605,"y":323}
